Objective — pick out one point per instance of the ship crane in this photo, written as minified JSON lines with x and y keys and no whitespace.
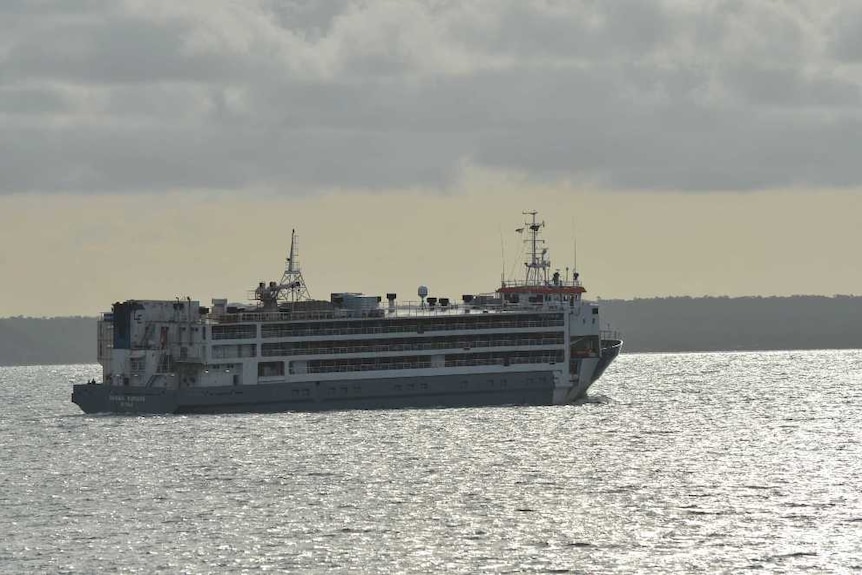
{"x":292,"y":286}
{"x":292,"y":280}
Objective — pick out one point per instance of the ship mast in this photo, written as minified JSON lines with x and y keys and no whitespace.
{"x":538,"y":265}
{"x":292,"y":286}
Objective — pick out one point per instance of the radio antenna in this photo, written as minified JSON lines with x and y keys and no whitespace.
{"x":574,"y":246}
{"x":502,"y":257}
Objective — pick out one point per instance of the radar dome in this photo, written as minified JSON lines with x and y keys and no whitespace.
{"x":423,"y":291}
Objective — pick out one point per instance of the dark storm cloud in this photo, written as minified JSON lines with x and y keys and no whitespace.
{"x":150,"y":95}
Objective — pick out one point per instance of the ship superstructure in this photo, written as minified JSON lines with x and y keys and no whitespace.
{"x":533,"y":341}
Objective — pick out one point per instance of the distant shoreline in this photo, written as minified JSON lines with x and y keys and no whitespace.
{"x":650,"y":325}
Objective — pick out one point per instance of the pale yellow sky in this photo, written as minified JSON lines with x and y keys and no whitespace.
{"x":76,"y":254}
{"x":280,"y":114}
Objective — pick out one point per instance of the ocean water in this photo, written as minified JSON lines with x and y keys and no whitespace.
{"x":678,"y":463}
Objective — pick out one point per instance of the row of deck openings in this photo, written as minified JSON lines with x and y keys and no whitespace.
{"x":373,"y":346}
{"x":584,"y":346}
{"x":395,"y":325}
{"x":464,"y":342}
{"x":414,"y":362}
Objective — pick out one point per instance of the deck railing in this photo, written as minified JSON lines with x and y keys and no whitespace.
{"x":288,"y":349}
{"x":610,"y":334}
{"x":402,"y":309}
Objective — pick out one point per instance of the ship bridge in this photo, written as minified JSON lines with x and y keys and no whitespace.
{"x":537,"y":287}
{"x":531,"y":294}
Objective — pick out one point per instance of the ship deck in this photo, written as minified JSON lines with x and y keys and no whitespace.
{"x":401,"y":311}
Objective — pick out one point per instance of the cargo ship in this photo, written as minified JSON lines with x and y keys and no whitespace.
{"x":532,"y":341}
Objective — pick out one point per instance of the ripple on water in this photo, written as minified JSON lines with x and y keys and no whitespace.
{"x":676,"y":463}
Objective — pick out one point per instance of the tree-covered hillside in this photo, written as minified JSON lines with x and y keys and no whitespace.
{"x":748,"y":323}
{"x":658,"y":324}
{"x":57,"y":340}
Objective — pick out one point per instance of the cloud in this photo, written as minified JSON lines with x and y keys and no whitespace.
{"x":299,"y":96}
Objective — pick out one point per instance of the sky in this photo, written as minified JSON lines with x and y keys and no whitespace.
{"x":154,"y":149}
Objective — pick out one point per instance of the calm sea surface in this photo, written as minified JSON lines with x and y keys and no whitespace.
{"x":679,"y":463}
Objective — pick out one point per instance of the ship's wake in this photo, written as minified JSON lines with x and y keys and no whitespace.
{"x":594,"y":399}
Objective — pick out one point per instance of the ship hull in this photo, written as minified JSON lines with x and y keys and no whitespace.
{"x":528,"y":388}
{"x":451,"y":390}
{"x":611,"y":348}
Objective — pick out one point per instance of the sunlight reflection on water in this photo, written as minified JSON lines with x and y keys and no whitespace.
{"x":678,"y":463}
